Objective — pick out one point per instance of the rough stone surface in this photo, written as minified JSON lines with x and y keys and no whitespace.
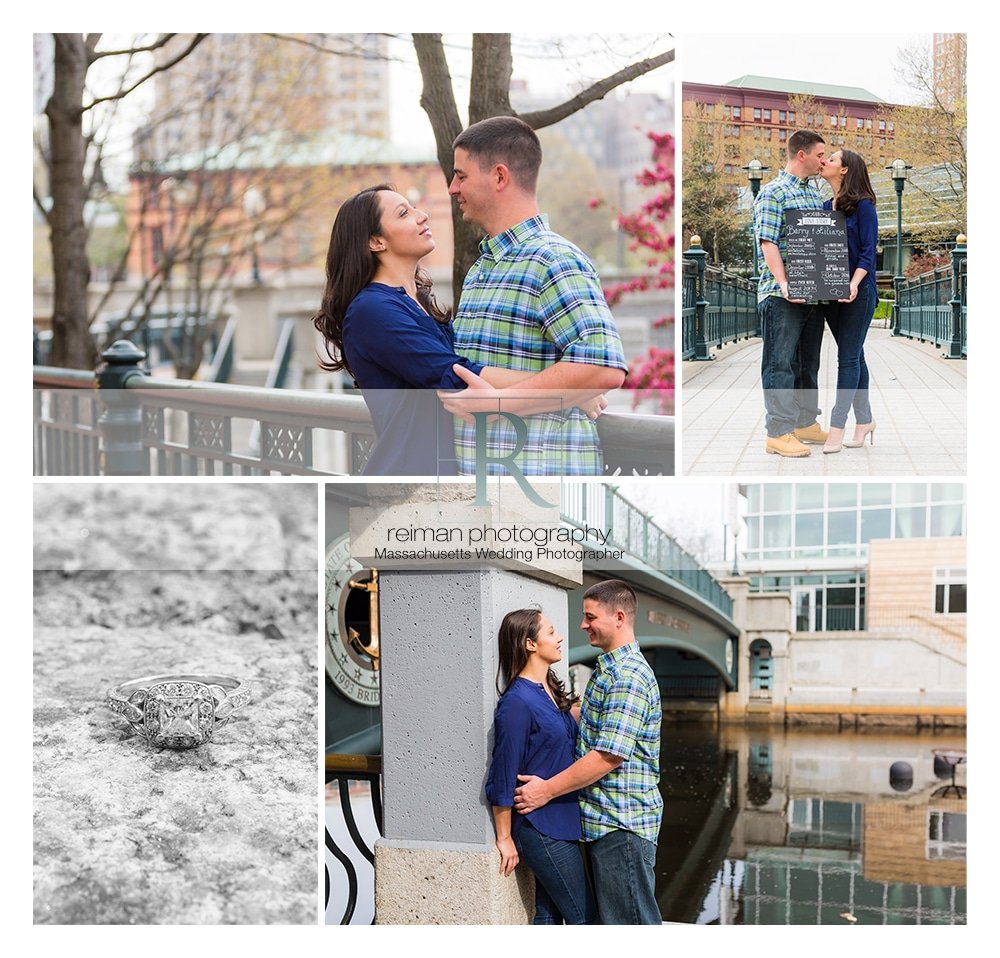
{"x":128,"y":834}
{"x":422,"y":886}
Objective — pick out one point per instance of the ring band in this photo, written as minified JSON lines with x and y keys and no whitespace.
{"x":178,"y":710}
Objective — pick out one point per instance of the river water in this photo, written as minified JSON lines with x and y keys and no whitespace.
{"x":770,"y":826}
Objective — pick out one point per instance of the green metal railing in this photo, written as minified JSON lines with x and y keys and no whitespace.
{"x":633,"y":531}
{"x":932,"y":306}
{"x":717,"y":306}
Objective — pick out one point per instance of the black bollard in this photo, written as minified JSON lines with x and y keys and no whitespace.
{"x":120,"y":423}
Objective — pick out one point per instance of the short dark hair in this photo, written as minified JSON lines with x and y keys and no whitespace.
{"x":803,"y":140}
{"x":506,"y":140}
{"x":614,"y":594}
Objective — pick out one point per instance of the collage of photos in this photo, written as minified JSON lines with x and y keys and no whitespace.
{"x":455,"y":466}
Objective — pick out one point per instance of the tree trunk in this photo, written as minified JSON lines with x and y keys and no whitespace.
{"x":489,"y":87}
{"x":72,"y":345}
{"x":438,"y":101}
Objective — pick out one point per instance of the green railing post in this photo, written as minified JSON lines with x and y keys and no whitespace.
{"x":698,"y":256}
{"x":120,"y":424}
{"x":958,"y":255}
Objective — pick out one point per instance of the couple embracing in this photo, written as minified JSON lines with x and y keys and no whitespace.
{"x":533,"y":334}
{"x":575,"y":787}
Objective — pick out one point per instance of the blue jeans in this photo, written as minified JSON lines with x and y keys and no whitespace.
{"x":562,"y":891}
{"x":789,"y":365}
{"x":622,"y":864}
{"x":849,"y":324}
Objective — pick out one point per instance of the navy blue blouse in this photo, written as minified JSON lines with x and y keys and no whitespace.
{"x":399,"y":356}
{"x":862,"y":237}
{"x":532,"y":737}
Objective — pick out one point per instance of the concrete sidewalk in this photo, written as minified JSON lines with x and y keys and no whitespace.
{"x":918,"y":400}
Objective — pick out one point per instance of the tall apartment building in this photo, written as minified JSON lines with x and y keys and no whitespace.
{"x":949,"y":63}
{"x":235,"y":86}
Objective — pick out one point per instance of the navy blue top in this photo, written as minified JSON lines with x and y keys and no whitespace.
{"x":532,"y":737}
{"x":862,"y":237}
{"x":399,"y":355}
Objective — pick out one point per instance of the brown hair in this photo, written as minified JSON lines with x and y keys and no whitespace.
{"x":803,"y":140}
{"x":350,"y":266}
{"x":856,"y":184}
{"x":506,"y":140}
{"x":517,"y":629}
{"x":614,"y":594}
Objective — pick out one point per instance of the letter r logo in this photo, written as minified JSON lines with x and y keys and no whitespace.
{"x":483,"y":458}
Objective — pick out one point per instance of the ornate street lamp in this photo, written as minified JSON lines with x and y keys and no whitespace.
{"x":253,"y":206}
{"x":897,"y":170}
{"x":755,"y":174}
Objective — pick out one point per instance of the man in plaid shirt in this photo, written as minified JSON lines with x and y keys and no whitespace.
{"x":532,"y":302}
{"x":792,"y":330}
{"x":618,"y":763}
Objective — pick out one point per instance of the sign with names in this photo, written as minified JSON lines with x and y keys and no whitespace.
{"x":816,"y":259}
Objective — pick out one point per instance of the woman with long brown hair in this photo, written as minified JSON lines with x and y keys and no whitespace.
{"x":534,"y":733}
{"x":381,"y":324}
{"x":850,"y":318}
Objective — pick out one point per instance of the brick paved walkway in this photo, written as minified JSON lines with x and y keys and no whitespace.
{"x":918,"y":400}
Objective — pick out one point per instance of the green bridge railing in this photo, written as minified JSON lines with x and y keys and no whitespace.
{"x":717,"y":306}
{"x":636,"y":533}
{"x":931,"y":307}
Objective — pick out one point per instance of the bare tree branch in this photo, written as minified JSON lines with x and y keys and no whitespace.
{"x":39,"y":206}
{"x":597,"y":91}
{"x":198,"y":37}
{"x":131,"y":51}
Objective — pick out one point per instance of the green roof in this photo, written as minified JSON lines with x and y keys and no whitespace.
{"x":829,"y":90}
{"x":280,"y":149}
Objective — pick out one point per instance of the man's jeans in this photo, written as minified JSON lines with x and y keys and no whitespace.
{"x":562,"y":891}
{"x":849,"y":324}
{"x":789,"y":367}
{"x":622,"y":864}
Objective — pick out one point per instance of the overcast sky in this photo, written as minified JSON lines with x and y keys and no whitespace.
{"x":865,"y":60}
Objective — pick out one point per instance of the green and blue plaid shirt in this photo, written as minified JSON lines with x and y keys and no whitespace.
{"x":533,"y":299}
{"x":621,"y":715}
{"x":784,"y":192}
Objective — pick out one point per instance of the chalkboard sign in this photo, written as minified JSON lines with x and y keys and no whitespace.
{"x":816,"y":259}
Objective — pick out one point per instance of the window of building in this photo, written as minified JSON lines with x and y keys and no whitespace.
{"x":727,"y":111}
{"x":791,"y":116}
{"x":782,"y":116}
{"x":810,"y":495}
{"x":709,"y":108}
{"x":876,"y":524}
{"x":778,"y":497}
{"x":860,"y":123}
{"x":843,"y":122}
{"x":876,"y":494}
{"x":881,"y":126}
{"x":737,"y":112}
{"x":946,"y":835}
{"x":946,"y":520}
{"x":782,"y":134}
{"x":868,"y":123}
{"x":833,"y":120}
{"x":756,"y":113}
{"x":892,"y":126}
{"x":949,"y":590}
{"x":767,"y":116}
{"x":842,"y":530}
{"x":809,"y":119}
{"x":911,"y":522}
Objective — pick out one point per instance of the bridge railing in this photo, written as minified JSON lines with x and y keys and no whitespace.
{"x":636,"y":533}
{"x":932,"y":306}
{"x":717,"y":306}
{"x":136,"y":424}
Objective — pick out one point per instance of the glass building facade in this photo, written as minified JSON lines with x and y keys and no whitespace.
{"x":811,"y":539}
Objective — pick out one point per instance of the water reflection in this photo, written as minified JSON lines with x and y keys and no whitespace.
{"x":770,"y":827}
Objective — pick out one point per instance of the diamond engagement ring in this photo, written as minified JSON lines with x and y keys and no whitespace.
{"x":178,"y":711}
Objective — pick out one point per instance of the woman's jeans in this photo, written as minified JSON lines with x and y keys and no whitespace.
{"x":562,"y":891}
{"x":849,"y":324}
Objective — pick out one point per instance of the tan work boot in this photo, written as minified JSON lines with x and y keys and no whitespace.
{"x":813,"y":433}
{"x":786,"y":445}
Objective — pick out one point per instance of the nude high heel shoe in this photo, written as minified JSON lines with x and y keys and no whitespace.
{"x":866,"y":429}
{"x":834,"y":440}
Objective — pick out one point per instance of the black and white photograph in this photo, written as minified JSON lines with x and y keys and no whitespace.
{"x":174,"y":704}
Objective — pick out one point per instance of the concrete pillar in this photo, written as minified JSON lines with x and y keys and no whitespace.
{"x":734,"y":703}
{"x":437,"y":863}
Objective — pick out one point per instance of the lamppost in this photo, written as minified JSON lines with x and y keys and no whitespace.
{"x":253,"y":206}
{"x":755,"y":174}
{"x":897,"y":170}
